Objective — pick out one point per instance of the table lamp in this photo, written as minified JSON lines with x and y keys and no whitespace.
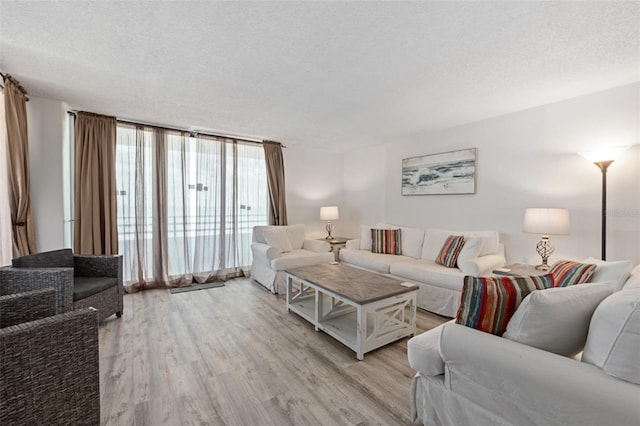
{"x":546,"y":222}
{"x":329,"y":214}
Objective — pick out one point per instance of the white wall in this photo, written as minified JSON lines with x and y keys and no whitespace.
{"x":525,"y":159}
{"x":46,"y":126}
{"x":313,"y":179}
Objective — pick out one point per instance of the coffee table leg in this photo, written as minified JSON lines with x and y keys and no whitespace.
{"x":361,"y":332}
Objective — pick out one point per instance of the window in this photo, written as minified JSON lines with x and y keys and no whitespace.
{"x":186,"y":205}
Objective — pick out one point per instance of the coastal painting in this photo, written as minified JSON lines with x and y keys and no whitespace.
{"x":451,"y":172}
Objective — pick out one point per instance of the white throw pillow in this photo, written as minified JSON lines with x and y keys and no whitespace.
{"x":557,"y":319}
{"x":277,"y":237}
{"x":296,"y":234}
{"x":613,"y":343}
{"x":470,"y":250}
{"x":412,"y":239}
{"x":618,"y":270}
{"x":490,"y":241}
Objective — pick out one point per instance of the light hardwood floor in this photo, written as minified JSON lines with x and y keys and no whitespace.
{"x":233,"y":356}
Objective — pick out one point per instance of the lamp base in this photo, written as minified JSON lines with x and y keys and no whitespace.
{"x":544,"y":249}
{"x":543,"y":267}
{"x":329,"y":229}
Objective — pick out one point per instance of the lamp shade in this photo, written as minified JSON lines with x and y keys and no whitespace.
{"x":610,"y":153}
{"x":329,"y":213}
{"x":546,"y":221}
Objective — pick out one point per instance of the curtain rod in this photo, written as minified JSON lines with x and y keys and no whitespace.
{"x":192,"y":133}
{"x":4,"y":77}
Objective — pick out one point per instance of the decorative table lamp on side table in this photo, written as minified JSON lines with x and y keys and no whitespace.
{"x":546,"y":222}
{"x":329,"y":214}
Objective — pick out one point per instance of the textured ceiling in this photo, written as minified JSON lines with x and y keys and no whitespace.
{"x":336,"y":75}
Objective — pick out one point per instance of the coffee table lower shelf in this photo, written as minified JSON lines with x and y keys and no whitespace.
{"x":360,"y":327}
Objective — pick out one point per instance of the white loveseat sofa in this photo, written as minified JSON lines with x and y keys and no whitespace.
{"x":469,"y":377}
{"x":440,"y":287}
{"x":277,"y":248}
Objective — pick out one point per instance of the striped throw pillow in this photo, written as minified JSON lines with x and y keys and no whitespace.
{"x":566,"y":272}
{"x":488,"y":303}
{"x":450,"y":250}
{"x":386,"y":241}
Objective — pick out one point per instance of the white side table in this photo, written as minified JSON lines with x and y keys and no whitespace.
{"x":518,"y":269}
{"x":336,"y":244}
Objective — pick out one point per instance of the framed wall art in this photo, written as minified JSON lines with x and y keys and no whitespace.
{"x":452,"y":172}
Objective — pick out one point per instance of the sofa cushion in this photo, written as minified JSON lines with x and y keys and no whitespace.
{"x":84,"y":287}
{"x":386,"y":241}
{"x":49,"y":259}
{"x":377,"y":262}
{"x":613,"y":342}
{"x":557,"y":319}
{"x":470,"y":250}
{"x":429,"y":272}
{"x":450,"y":250}
{"x":298,"y":258}
{"x":566,"y":273}
{"x":296,"y":234}
{"x":617,"y":270}
{"x":488,"y":303}
{"x":277,"y":237}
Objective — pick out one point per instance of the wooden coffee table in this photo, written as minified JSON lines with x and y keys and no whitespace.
{"x":362,"y":310}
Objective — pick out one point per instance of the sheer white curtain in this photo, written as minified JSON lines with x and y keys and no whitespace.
{"x":186,"y":206}
{"x":6,"y":239}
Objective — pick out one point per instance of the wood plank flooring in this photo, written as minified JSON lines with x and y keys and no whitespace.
{"x":234,"y":356}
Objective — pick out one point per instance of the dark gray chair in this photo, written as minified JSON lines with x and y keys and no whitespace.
{"x":49,"y":369}
{"x":81,"y":281}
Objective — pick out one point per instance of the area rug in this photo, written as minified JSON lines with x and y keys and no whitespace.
{"x":193,"y":287}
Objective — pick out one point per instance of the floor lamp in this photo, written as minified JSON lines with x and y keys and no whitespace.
{"x":603,"y":159}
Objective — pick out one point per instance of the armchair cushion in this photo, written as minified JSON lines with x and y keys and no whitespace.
{"x":278,"y":238}
{"x":84,"y":287}
{"x":50,"y":259}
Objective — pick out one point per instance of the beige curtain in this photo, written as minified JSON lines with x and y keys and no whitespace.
{"x":95,"y":225}
{"x":186,"y":206}
{"x":275,"y":179}
{"x":24,"y":236}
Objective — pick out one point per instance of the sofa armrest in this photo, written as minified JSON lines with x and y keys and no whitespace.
{"x":423,"y":351}
{"x":19,"y":280}
{"x":28,"y":306}
{"x":492,"y":370}
{"x":51,"y":371}
{"x":484,"y":265}
{"x":353,"y":244}
{"x":316,"y":246}
{"x":264,"y":253}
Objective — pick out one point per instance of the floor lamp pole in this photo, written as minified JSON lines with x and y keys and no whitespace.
{"x":604,"y":165}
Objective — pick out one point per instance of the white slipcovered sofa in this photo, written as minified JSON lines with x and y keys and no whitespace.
{"x":278,"y":248}
{"x":440,"y":287}
{"x":465,"y":376}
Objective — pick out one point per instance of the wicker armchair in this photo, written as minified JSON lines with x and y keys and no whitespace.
{"x":49,"y":370}
{"x":81,"y":281}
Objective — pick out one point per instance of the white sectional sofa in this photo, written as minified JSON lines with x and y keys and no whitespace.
{"x":440,"y":287}
{"x":465,"y":376}
{"x":277,"y":248}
